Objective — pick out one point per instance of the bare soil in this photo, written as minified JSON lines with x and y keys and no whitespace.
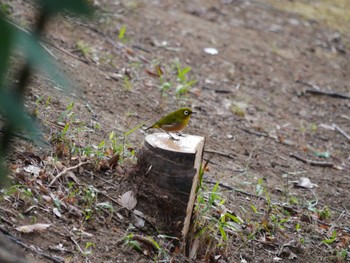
{"x":253,"y":104}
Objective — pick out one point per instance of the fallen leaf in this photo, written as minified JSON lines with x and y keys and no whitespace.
{"x":157,"y":73}
{"x":322,"y":154}
{"x":211,"y":51}
{"x":194,"y":248}
{"x":59,"y":248}
{"x":305,"y":182}
{"x":113,"y":162}
{"x":56,"y":212}
{"x":119,"y":170}
{"x":32,"y":228}
{"x":292,"y":256}
{"x":138,"y":222}
{"x":128,"y":200}
{"x":32,"y":169}
{"x":72,"y":176}
{"x":277,"y":259}
{"x":103,"y":165}
{"x":344,"y":240}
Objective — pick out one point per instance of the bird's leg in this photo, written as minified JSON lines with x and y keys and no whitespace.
{"x":173,"y":138}
{"x":180,"y":135}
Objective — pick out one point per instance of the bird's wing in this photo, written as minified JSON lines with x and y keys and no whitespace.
{"x":169,"y":120}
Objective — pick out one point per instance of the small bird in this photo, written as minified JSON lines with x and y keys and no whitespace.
{"x":173,"y":122}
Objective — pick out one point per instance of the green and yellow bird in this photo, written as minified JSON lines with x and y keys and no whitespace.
{"x":173,"y":122}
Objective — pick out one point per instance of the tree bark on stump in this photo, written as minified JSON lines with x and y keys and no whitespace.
{"x":170,"y":180}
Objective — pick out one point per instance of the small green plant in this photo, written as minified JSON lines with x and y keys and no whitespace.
{"x":325,"y":213}
{"x":159,"y":252}
{"x":164,"y":88}
{"x":293,"y":200}
{"x":184,"y":84}
{"x":115,"y":145}
{"x":5,"y":9}
{"x":261,"y":189}
{"x":121,"y":35}
{"x":105,"y":205}
{"x":239,"y":109}
{"x":73,"y":191}
{"x":332,"y":239}
{"x":128,"y":85}
{"x":89,"y":198}
{"x":342,"y":255}
{"x":120,"y":145}
{"x":130,"y":242}
{"x":88,"y":249}
{"x":213,"y":229}
{"x":38,"y":102}
{"x":83,"y":48}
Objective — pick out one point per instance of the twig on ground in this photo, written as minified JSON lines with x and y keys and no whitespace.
{"x":110,"y":198}
{"x":141,"y":48}
{"x":316,"y":90}
{"x":67,"y":52}
{"x":31,"y":248}
{"x":228,"y":155}
{"x":289,"y":244}
{"x":112,"y":42}
{"x":254,"y":132}
{"x":108,"y":182}
{"x":65,"y":171}
{"x":341,"y":131}
{"x":3,"y":219}
{"x":77,"y":245}
{"x":235,"y":190}
{"x":311,"y":162}
{"x":8,"y":211}
{"x":276,"y":138}
{"x":328,"y":93}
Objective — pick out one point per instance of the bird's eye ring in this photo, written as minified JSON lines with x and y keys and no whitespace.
{"x":186,"y":112}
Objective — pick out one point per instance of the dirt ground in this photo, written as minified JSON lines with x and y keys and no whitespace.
{"x":256,"y":106}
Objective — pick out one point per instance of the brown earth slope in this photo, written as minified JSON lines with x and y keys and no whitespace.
{"x":255,"y":107}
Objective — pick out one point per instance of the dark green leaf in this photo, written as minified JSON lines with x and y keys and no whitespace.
{"x":73,"y":6}
{"x":14,"y":113}
{"x":38,"y":57}
{"x":5,"y":44}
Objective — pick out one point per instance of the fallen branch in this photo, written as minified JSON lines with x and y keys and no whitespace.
{"x":112,"y":42}
{"x":227,"y":155}
{"x":235,"y":189}
{"x":316,"y":90}
{"x":77,"y":245}
{"x":327,"y":93}
{"x":65,"y":171}
{"x":341,"y":131}
{"x":31,"y":248}
{"x":254,"y":132}
{"x":67,"y":52}
{"x":276,"y":138}
{"x":311,"y":162}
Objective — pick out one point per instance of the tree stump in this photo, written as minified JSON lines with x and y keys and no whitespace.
{"x":171,"y":175}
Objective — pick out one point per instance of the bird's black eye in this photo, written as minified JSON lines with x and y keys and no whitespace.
{"x":186,"y":112}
